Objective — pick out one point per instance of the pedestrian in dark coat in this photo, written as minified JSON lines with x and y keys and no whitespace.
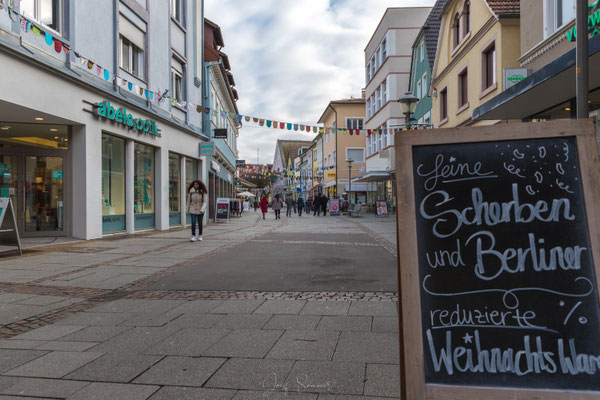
{"x":309,"y":205}
{"x":277,"y":205}
{"x":300,"y":205}
{"x":264,"y":206}
{"x":317,"y":205}
{"x":324,"y":202}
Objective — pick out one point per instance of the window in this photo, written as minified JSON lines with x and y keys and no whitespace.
{"x":384,"y":137}
{"x":355,"y":154}
{"x":46,"y":12}
{"x":489,"y":66}
{"x":354,"y":123}
{"x":384,"y":92}
{"x":422,"y":51}
{"x":143,"y":186}
{"x":427,"y":118}
{"x":368,"y":73}
{"x":113,"y":183}
{"x":424,"y":86}
{"x":177,"y":80}
{"x":177,"y":10}
{"x":463,"y":88}
{"x":384,"y":51}
{"x":466,"y":18}
{"x":373,"y":67}
{"x":132,"y":58}
{"x":418,"y":93}
{"x":378,"y":97}
{"x":369,"y":140}
{"x":444,"y":104}
{"x":556,"y":14}
{"x":456,"y":30}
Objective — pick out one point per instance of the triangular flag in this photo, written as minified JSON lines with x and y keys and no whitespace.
{"x":247,"y":118}
{"x":295,"y":127}
{"x":261,"y":122}
{"x":314,"y":129}
{"x":66,"y":49}
{"x":82,"y":60}
{"x":198,"y":109}
{"x":130,"y":86}
{"x":152,"y":96}
{"x":98,"y":70}
{"x":301,"y":127}
{"x":239,"y":118}
{"x":206,"y":110}
{"x":90,"y":64}
{"x":289,"y":127}
{"x":307,"y":128}
{"x":36,"y":30}
{"x":369,"y":132}
{"x":321,"y":130}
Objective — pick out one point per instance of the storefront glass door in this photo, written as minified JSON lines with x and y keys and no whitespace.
{"x":43,"y":194}
{"x":9,"y":179}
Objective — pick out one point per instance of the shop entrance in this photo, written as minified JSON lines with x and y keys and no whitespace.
{"x":32,"y":175}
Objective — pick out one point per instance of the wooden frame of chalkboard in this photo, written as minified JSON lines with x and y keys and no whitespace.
{"x":419,"y":380}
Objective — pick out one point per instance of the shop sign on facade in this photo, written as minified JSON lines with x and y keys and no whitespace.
{"x":207,"y":149}
{"x":331,"y":174}
{"x":121,"y":116}
{"x":215,"y":166}
{"x":593,"y":23}
{"x":512,"y":76}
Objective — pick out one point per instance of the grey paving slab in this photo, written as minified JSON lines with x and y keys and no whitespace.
{"x":317,"y":307}
{"x":66,"y":346}
{"x":115,"y":368}
{"x":147,"y":261}
{"x":181,"y":371}
{"x":13,"y":297}
{"x":10,"y":359}
{"x":143,"y":306}
{"x":192,"y":393}
{"x":16,"y":312}
{"x":19,"y":344}
{"x":197,"y":306}
{"x":49,"y":332}
{"x":305,"y":345}
{"x":369,"y":347}
{"x":251,"y":374}
{"x":7,"y":381}
{"x":54,"y":365}
{"x":385,"y":324}
{"x":295,"y":322}
{"x":372,"y":308}
{"x":44,"y":387}
{"x":9,"y":397}
{"x":272,"y":395}
{"x":197,"y":320}
{"x":95,"y":318}
{"x":135,"y":340}
{"x":327,"y":377}
{"x":150,"y":319}
{"x":42,"y":300}
{"x":345,"y":323}
{"x":103,"y":391}
{"x":243,"y":321}
{"x":382,"y":380}
{"x":349,"y":397}
{"x":237,"y":307}
{"x":190,"y":342}
{"x":280,"y":307}
{"x":98,"y":333}
{"x":249,"y":343}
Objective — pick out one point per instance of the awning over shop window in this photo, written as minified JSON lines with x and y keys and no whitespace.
{"x":373,"y":176}
{"x":548,"y":87}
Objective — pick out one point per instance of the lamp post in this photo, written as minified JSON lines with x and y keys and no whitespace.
{"x":349,"y":162}
{"x":408,"y":105}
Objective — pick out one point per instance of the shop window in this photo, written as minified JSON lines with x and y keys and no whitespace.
{"x":443,"y":104}
{"x":177,"y":79}
{"x":456,"y":30}
{"x":113,"y":183}
{"x":174,"y":189}
{"x":463,"y":88}
{"x":177,"y":10}
{"x":489,"y":66}
{"x":45,"y":12}
{"x":143,"y":186}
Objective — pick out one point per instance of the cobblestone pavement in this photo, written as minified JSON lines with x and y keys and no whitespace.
{"x":79,"y":321}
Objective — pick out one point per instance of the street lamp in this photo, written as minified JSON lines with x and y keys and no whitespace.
{"x":349,"y":162}
{"x":408,"y":104}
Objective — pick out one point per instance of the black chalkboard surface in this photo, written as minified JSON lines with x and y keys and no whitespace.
{"x":508,"y":291}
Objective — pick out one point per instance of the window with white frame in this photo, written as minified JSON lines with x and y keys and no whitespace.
{"x":356,"y":154}
{"x":378,"y":96}
{"x":418,"y":93}
{"x":556,"y":14}
{"x":422,"y":51}
{"x":368,"y":73}
{"x":177,"y":79}
{"x":369,"y":145}
{"x":372,"y":105}
{"x":378,"y":58}
{"x":45,"y":12}
{"x":132,"y":42}
{"x":384,"y":139}
{"x":354,"y":123}
{"x":380,"y":138}
{"x":384,"y":50}
{"x":177,"y":10}
{"x":373,"y":67}
{"x":383,"y":92}
{"x":424,"y":86}
{"x":368,"y":108}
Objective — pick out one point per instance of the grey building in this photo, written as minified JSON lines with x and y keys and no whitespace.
{"x":100,"y":113}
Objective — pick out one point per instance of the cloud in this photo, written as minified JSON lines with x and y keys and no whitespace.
{"x":290,"y":58}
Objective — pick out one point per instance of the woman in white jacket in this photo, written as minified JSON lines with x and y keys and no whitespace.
{"x":196,"y":207}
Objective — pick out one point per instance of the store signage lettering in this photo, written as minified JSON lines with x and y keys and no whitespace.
{"x":121,"y":116}
{"x":207,"y":149}
{"x":593,"y":23}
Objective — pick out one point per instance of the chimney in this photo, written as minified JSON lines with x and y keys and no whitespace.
{"x":362,"y":93}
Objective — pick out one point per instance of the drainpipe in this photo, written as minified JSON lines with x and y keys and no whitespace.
{"x":582,"y":59}
{"x":336,"y":149}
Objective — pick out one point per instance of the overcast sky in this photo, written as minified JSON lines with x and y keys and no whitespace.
{"x":289,"y":58}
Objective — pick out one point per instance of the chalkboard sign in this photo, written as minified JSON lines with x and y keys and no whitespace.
{"x":506,"y":283}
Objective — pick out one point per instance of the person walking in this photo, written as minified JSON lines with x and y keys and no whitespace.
{"x":196,"y":207}
{"x":255,"y":204}
{"x":277,"y":205}
{"x":309,"y":205}
{"x":264,"y":206}
{"x":316,"y":205}
{"x":300,"y":206}
{"x":289,"y":204}
{"x":324,"y":202}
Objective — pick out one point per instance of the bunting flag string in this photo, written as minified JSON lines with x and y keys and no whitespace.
{"x":156,"y":96}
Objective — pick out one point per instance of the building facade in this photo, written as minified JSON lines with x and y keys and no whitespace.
{"x":99,"y":136}
{"x":221,"y":123}
{"x":341,"y":119}
{"x":423,"y":57}
{"x":286,"y":152}
{"x":544,"y":86}
{"x":477,"y":42}
{"x":387,"y":74}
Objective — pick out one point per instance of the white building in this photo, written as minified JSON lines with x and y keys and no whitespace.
{"x":87,"y":146}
